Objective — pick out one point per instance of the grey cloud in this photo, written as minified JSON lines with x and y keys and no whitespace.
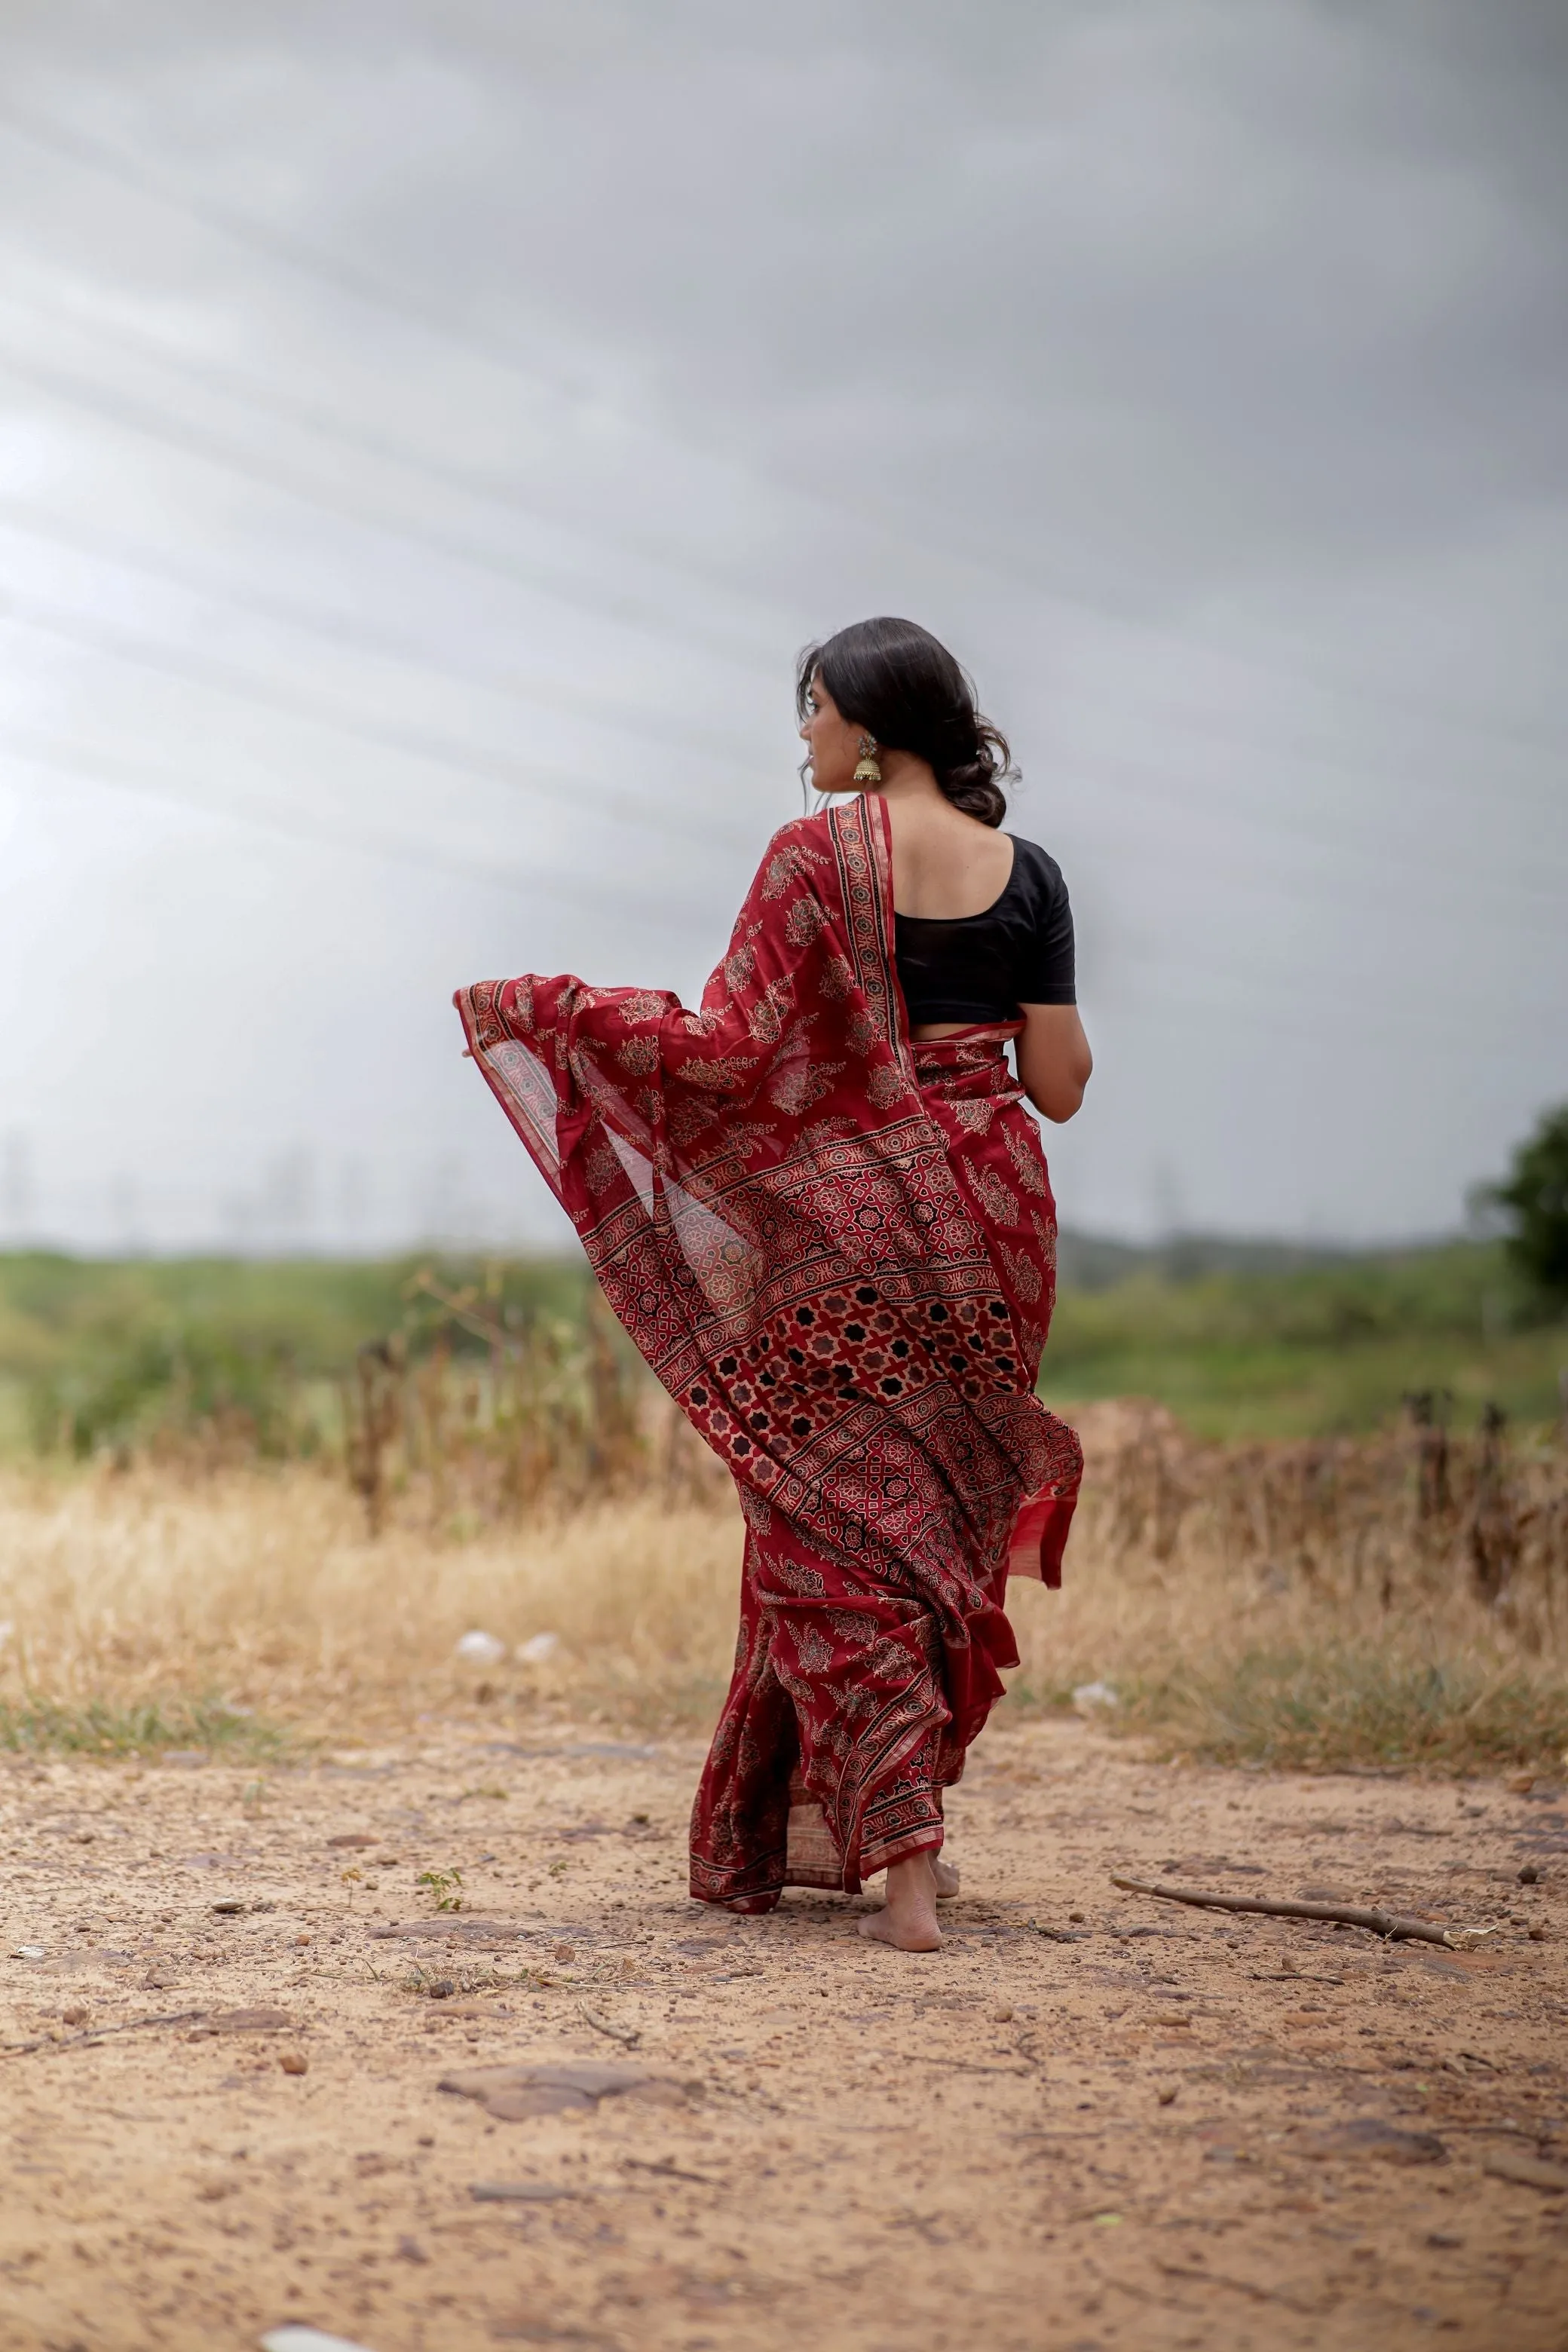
{"x":1196,"y":367}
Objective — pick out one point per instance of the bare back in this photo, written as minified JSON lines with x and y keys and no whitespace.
{"x":945,"y":865}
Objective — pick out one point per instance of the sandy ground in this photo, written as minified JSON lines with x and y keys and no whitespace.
{"x":1062,"y":2132}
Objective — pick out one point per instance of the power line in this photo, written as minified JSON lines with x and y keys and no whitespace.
{"x":444,"y":749}
{"x":213,"y":673}
{"x":368,"y":287}
{"x":1142,"y":782}
{"x":486,"y":490}
{"x":422,"y":743}
{"x":274,"y":608}
{"x":314,"y":419}
{"x":189,"y":440}
{"x":345,"y":277}
{"x":277,"y":245}
{"x":157,"y":423}
{"x":112,"y":770}
{"x":354,"y":632}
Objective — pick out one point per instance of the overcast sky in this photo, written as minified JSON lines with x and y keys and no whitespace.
{"x":427,"y":433}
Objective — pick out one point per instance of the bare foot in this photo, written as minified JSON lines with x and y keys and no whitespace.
{"x":907,"y":1921}
{"x":946,"y":1875}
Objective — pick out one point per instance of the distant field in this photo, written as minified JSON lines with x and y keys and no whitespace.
{"x":219,"y":1520}
{"x":116,"y":1348}
{"x":1310,"y":1349}
{"x":1236,"y":1341}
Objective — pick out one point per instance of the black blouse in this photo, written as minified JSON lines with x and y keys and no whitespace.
{"x":973,"y":968}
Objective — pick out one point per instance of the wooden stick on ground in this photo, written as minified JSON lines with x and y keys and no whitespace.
{"x":99,"y":2033}
{"x":628,"y":2035}
{"x":1389,"y":1924}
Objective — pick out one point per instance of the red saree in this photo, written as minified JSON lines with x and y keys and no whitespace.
{"x":836,"y":1250}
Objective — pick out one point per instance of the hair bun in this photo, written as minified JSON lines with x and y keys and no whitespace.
{"x":899,"y":682}
{"x":974,"y":785}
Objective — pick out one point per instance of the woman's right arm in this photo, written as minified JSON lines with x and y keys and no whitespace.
{"x":1054,"y":1059}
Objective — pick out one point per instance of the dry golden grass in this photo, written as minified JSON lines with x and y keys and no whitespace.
{"x":1401,"y":1600}
{"x":263,"y":1589}
{"x":1272,"y":1602}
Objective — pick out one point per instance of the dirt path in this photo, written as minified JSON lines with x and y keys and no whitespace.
{"x":1135,"y":2136}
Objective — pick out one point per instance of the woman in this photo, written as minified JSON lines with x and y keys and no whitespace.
{"x":820,"y":1210}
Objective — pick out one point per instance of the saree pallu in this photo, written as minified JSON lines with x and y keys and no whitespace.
{"x":837,"y":1251}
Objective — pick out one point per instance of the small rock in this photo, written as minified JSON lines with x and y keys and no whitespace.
{"x":74,"y":2016}
{"x":1002,"y":2013}
{"x":513,"y":2094}
{"x":293,"y":2062}
{"x":1443,"y":2239}
{"x":480,"y":1649}
{"x":248,"y":2020}
{"x":442,"y":1989}
{"x":231,"y":1907}
{"x":1167,"y":2097}
{"x":1088,"y":1696}
{"x":293,"y":2339}
{"x":1536,"y":1934}
{"x":564,"y":1952}
{"x":537,"y":1648}
{"x":523,"y":2192}
{"x":1530,"y":1875}
{"x":353,"y":1837}
{"x":1076,"y":1918}
{"x":27,"y":1952}
{"x":1519,"y":1784}
{"x":1369,"y":2136}
{"x":409,"y":2249}
{"x":1528,"y":2171}
{"x":302,"y":1939}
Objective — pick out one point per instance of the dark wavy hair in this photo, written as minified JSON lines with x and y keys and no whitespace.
{"x":894,"y":679}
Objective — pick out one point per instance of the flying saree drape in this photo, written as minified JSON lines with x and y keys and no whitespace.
{"x":836,"y":1250}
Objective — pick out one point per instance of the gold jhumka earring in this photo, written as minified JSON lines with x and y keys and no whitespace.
{"x":868,"y":772}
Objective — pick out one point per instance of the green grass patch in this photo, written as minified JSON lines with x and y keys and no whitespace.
{"x":1310,"y":1351}
{"x":1321,"y":1709}
{"x":97,"y":1355}
{"x":33,"y":1726}
{"x":1240,"y":1341}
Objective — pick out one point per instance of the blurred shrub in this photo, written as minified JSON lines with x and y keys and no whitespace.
{"x":1534,"y":1205}
{"x":188,"y":1384}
